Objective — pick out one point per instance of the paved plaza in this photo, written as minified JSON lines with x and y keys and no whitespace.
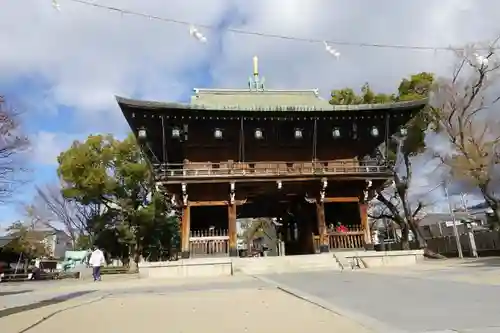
{"x":444,"y":296}
{"x":430,"y":297}
{"x":238,"y":304}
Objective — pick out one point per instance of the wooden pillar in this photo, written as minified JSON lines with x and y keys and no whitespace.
{"x":233,"y":237}
{"x":323,"y":236}
{"x":185,"y":231}
{"x":363,"y":212}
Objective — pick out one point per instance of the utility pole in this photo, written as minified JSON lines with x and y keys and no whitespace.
{"x":470,"y":232}
{"x":455,"y":230}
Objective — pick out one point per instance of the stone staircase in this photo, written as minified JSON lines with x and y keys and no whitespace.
{"x":285,"y":264}
{"x":346,"y":261}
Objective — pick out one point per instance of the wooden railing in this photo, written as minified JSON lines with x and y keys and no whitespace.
{"x":350,"y":228}
{"x":207,"y":233}
{"x":259,"y":169}
{"x":209,"y":243}
{"x":346,"y":240}
{"x":353,"y":238}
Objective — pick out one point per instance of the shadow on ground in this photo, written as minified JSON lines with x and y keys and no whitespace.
{"x":44,"y":303}
{"x":479,"y":262}
{"x":14,"y":292}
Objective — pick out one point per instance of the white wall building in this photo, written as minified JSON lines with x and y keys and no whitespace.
{"x":57,"y":243}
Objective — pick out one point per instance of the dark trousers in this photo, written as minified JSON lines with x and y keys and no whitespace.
{"x":96,"y":273}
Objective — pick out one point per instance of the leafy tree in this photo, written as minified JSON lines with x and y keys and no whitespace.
{"x":393,"y":196}
{"x":113,"y":175}
{"x":27,"y":240}
{"x":159,"y":233}
{"x":345,"y":96}
{"x":348,"y":96}
{"x":83,"y":242}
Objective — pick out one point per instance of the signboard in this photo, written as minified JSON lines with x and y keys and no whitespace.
{"x":450,"y":223}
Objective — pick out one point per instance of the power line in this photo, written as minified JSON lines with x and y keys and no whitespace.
{"x":123,"y":11}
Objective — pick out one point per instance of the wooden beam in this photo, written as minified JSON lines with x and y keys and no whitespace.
{"x":185,"y":231}
{"x":272,"y":178}
{"x":215,"y":203}
{"x":323,"y":236}
{"x":363,"y":212}
{"x":233,"y":240}
{"x":341,"y":199}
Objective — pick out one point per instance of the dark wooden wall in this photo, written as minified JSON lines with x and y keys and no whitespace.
{"x":267,"y":192}
{"x":278,"y":144}
{"x":346,"y":212}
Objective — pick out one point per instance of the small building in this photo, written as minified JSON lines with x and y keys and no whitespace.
{"x":434,"y":225}
{"x":258,"y":152}
{"x":57,"y":242}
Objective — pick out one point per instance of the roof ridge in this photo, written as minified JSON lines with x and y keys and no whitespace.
{"x":266,"y":91}
{"x":326,"y":107}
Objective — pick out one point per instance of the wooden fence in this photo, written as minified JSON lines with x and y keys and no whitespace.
{"x":486,"y":241}
{"x":209,"y":243}
{"x":353,"y":238}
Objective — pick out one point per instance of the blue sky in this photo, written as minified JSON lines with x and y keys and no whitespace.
{"x":62,"y":69}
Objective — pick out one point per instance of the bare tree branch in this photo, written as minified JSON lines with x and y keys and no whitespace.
{"x":52,"y":210}
{"x":468,"y":119}
{"x":12,"y":145}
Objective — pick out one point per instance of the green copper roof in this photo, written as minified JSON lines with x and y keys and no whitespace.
{"x":262,"y":100}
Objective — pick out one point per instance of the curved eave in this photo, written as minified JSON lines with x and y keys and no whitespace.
{"x":155,"y":105}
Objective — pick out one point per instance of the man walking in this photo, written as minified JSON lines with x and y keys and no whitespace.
{"x":96,"y":260}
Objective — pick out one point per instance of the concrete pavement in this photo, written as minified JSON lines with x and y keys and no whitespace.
{"x":441,"y":296}
{"x":428,"y":298}
{"x":234,"y":305}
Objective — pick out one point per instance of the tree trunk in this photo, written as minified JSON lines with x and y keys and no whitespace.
{"x":496,"y":223}
{"x":135,"y":259}
{"x":493,"y":204}
{"x":421,"y":242}
{"x":405,"y":242}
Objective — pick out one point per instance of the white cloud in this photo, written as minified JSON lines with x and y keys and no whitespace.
{"x":87,"y":55}
{"x":46,"y":146}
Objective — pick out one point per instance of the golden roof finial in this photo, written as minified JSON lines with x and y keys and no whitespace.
{"x":255,"y":66}
{"x":256,"y":83}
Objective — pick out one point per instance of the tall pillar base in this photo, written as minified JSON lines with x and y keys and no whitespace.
{"x":185,"y":255}
{"x":324,"y":249}
{"x":233,"y":252}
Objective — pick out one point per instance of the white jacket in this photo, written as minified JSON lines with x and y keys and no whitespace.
{"x":96,"y":258}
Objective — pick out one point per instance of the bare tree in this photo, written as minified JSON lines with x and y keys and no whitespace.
{"x":466,"y":116}
{"x":393,"y":204}
{"x":52,"y":210}
{"x":12,"y":144}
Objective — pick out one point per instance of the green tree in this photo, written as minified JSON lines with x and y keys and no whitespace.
{"x":392,"y":198}
{"x":27,"y":241}
{"x":159,"y":233}
{"x":114,"y":175}
{"x":345,"y":96}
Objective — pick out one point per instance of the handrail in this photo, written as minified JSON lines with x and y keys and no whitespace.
{"x":237,"y":169}
{"x":236,"y":164}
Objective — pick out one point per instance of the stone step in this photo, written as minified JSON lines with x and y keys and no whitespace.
{"x":286,"y":264}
